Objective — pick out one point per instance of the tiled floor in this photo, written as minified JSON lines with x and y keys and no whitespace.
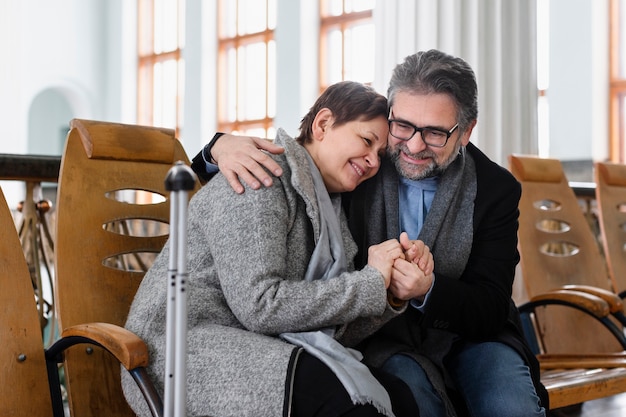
{"x":607,"y":407}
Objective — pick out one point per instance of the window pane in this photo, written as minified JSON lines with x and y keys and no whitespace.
{"x":259,"y":131}
{"x":181,"y":24}
{"x":157,"y":93}
{"x":359,"y":60}
{"x":165,"y":94}
{"x":271,"y":80}
{"x":271,"y":10}
{"x":622,"y":39}
{"x":165,"y":26}
{"x":339,"y":7}
{"x":334,"y":61}
{"x":228,"y":19}
{"x":170,"y":78}
{"x":332,"y":7}
{"x":252,"y":16}
{"x":144,"y":108}
{"x":230,"y":90}
{"x":359,"y":5}
{"x":252,"y":85}
{"x":621,"y":136}
{"x":145,"y":29}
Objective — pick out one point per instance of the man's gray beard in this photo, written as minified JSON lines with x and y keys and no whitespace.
{"x":432,"y":170}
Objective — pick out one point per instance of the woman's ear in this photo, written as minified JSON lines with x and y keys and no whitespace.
{"x":323,"y":120}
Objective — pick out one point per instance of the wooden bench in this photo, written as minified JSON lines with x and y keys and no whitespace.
{"x":573,"y":315}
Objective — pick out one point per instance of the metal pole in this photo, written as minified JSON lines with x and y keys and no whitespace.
{"x":180,"y":180}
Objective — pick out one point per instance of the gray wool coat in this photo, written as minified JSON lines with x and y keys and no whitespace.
{"x":247,"y":257}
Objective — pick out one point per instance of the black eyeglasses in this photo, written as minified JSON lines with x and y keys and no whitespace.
{"x":431,"y":136}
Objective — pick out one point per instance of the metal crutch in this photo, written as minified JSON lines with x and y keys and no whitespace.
{"x":179,"y":181}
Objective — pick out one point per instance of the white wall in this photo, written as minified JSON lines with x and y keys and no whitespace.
{"x":64,"y":64}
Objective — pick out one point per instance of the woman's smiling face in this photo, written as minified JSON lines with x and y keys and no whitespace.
{"x":349,"y":154}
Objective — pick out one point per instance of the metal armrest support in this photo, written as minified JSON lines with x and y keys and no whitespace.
{"x":582,"y":301}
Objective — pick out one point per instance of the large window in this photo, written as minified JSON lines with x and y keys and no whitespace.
{"x":617,"y":106}
{"x":246,"y":66}
{"x":346,"y":41}
{"x":160,"y":81}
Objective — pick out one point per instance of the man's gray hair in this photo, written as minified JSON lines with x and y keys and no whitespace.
{"x":433,"y":71}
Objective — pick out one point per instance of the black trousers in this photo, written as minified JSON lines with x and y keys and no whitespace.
{"x":317,"y":392}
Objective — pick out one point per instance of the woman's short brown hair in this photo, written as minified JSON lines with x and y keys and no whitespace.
{"x":348,"y":101}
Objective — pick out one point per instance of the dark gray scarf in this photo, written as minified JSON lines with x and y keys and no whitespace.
{"x":449,"y":228}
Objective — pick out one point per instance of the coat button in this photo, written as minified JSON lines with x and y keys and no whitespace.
{"x":441,"y":324}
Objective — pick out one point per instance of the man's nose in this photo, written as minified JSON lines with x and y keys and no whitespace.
{"x":416,"y":144}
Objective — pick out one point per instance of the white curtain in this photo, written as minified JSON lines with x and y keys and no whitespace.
{"x":496,"y":37}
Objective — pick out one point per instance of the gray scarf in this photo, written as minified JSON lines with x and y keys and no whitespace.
{"x":328,"y":261}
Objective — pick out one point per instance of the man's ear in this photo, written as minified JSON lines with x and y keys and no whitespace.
{"x":323,"y":120}
{"x":467,"y":133}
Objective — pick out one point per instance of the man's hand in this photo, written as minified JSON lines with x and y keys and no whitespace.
{"x":412,"y":274}
{"x":417,"y":252}
{"x":242,"y":158}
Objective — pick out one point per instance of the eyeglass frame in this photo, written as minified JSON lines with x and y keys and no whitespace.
{"x":416,"y":129}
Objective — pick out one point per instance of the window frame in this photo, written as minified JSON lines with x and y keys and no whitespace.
{"x":343,"y":22}
{"x":237,"y":41}
{"x":148,"y":58}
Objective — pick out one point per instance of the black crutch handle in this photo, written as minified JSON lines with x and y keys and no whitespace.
{"x":180,"y":178}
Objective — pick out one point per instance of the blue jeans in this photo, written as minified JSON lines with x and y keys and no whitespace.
{"x":491,"y":377}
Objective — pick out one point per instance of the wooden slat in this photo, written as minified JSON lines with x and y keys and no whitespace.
{"x":589,"y":361}
{"x":577,"y":386}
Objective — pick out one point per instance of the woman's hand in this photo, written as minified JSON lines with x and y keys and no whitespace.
{"x":412,"y":274}
{"x":242,"y":158}
{"x":383,"y":256}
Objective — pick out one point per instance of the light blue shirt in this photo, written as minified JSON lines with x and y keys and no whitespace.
{"x":210,"y":168}
{"x":415,"y":199}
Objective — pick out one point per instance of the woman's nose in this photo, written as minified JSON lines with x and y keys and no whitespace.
{"x":372,"y":160}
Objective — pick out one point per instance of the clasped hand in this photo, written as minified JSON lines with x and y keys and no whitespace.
{"x":406,"y":265}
